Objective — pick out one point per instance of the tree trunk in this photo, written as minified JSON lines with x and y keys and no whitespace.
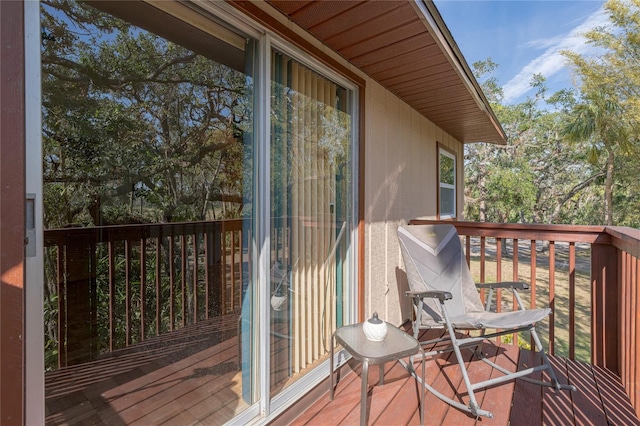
{"x":608,"y":189}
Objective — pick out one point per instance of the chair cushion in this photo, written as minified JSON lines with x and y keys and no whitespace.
{"x":499,"y":319}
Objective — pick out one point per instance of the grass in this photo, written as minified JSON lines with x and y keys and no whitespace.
{"x":560,"y":318}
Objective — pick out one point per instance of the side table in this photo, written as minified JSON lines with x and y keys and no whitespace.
{"x":395,"y":346}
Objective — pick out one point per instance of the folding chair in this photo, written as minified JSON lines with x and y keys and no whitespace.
{"x":445,"y":296}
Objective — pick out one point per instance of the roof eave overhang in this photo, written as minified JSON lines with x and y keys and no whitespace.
{"x":444,"y":38}
{"x":406,"y":47}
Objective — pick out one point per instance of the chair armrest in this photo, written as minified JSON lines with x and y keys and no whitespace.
{"x":434,"y":294}
{"x":519,"y":285}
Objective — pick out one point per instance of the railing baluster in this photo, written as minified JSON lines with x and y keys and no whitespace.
{"x":499,"y":279}
{"x":62,"y":319}
{"x":514,"y":263}
{"x":207,"y":275}
{"x":627,"y":303}
{"x":93,"y":290}
{"x":195,"y":276}
{"x":143,"y":279}
{"x":233,"y":270}
{"x":468,"y":249}
{"x":482,"y":267}
{"x":222,"y":279}
{"x":127,"y":280}
{"x":172,"y":279}
{"x":158,"y":282}
{"x":183,"y":276}
{"x":112,"y":292}
{"x":552,"y":295}
{"x":633,"y":317}
{"x":572,"y":300}
{"x":533,"y":269}
{"x":635,"y":320}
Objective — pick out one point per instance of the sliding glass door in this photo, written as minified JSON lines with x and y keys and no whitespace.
{"x":160,"y":214}
{"x":311,"y":205}
{"x":148,"y":157}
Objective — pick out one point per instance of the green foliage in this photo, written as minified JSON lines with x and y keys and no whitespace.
{"x":131,"y":119}
{"x":536,"y":177}
{"x":523,"y":342}
{"x":579,"y":148}
{"x":606,"y":121}
{"x":136,"y":129}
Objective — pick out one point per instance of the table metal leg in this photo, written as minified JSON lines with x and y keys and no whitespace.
{"x":363,"y":396}
{"x":381,"y":381}
{"x":422,"y":390}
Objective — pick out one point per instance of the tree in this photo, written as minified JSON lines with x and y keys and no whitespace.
{"x":598,"y":121}
{"x":136,"y":127}
{"x":607,"y":120}
{"x":536,"y":177}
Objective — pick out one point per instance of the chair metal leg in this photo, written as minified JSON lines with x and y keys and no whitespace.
{"x":474,"y":407}
{"x":554,"y":379}
{"x":422,"y":389}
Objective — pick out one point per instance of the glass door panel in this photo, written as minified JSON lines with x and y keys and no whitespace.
{"x":148,"y":141}
{"x":311,"y":204}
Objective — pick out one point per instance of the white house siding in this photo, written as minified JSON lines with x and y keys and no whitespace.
{"x":400,"y":184}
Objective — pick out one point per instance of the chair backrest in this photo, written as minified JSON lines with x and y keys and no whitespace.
{"x":434,"y":260}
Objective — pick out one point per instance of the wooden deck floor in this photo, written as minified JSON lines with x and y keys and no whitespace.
{"x":600,"y":399}
{"x":192,"y":377}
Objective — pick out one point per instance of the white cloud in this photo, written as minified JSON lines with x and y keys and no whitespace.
{"x":542,"y":43}
{"x":552,"y":61}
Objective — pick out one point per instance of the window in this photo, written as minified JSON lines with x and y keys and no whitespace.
{"x":447,"y":184}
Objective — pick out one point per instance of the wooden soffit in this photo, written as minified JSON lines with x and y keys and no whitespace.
{"x":406,"y":47}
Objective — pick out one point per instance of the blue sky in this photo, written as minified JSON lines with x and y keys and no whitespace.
{"x":522,"y":37}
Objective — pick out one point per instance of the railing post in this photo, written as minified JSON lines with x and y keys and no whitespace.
{"x":215,"y":245}
{"x":604,"y":304}
{"x":79,"y":339}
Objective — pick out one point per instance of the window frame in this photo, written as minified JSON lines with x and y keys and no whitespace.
{"x":444,"y":151}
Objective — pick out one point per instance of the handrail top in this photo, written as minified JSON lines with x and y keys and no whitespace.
{"x":621,"y":237}
{"x":59,"y":236}
{"x":529,"y":231}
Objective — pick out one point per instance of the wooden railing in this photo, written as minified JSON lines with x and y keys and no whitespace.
{"x":599,"y":304}
{"x":113,"y":286}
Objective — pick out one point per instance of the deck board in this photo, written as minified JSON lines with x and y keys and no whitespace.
{"x":198,"y":382}
{"x":615,"y":400}
{"x":527,"y":397}
{"x":588,"y":408}
{"x":498,"y":399}
{"x":557,"y":407}
{"x":515,"y":403}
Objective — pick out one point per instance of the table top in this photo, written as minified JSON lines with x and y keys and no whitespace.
{"x":397,"y":344}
